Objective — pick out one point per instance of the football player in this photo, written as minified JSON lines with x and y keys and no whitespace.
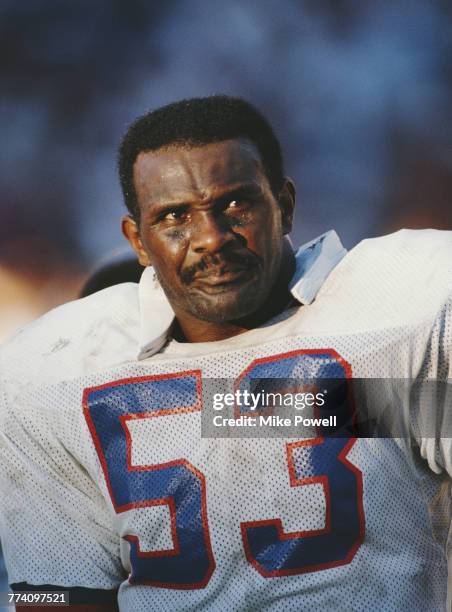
{"x":109,"y":490}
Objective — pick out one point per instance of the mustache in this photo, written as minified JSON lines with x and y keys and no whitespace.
{"x":239,"y":260}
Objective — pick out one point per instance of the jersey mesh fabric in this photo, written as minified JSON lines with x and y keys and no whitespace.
{"x":59,"y":525}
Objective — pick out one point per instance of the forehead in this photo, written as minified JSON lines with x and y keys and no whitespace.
{"x":178,"y":173}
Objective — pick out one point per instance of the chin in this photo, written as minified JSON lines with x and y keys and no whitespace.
{"x":224,"y":309}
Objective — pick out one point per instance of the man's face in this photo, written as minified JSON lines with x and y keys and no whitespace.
{"x":210,"y":226}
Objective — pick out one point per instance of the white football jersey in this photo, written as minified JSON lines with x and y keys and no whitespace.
{"x":107,"y":482}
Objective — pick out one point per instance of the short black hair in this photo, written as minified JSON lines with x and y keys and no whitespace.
{"x":194,"y":122}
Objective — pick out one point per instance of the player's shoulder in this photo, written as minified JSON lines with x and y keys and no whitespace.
{"x":399,"y":280}
{"x":90,"y":331}
{"x":426,"y":248}
{"x":417,"y":259}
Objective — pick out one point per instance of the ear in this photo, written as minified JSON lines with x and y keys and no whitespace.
{"x":286,"y":203}
{"x":131,"y":231}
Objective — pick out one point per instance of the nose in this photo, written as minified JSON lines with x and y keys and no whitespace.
{"x":209,"y":234}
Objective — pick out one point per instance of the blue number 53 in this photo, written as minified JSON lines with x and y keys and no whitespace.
{"x":182,"y":487}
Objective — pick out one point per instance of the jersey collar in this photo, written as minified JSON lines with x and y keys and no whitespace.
{"x":314,"y":262}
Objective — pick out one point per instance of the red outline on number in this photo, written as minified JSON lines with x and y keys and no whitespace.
{"x":322,"y":479}
{"x":288,"y":536}
{"x":155,"y":502}
{"x":124,"y":381}
{"x":145,"y":415}
{"x":298,"y":482}
{"x":347,"y":367}
{"x":171,"y":552}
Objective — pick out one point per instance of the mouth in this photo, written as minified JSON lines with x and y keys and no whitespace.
{"x":222,"y":279}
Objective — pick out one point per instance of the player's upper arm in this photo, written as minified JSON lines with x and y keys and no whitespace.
{"x":55,"y":525}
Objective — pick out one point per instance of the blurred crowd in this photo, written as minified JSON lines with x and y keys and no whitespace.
{"x":359,"y":92}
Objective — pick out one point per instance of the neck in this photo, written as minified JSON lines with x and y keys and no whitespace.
{"x":189,"y":329}
{"x":204,"y":331}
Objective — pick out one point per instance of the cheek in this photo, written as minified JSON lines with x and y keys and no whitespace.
{"x":264,"y":239}
{"x":175,"y":238}
{"x":271,"y":253}
{"x":167,"y":252}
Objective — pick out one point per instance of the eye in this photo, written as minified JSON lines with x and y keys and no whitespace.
{"x":236,"y":206}
{"x":174,"y":215}
{"x":237,"y":211}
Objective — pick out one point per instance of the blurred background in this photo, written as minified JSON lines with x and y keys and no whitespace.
{"x":359,"y":92}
